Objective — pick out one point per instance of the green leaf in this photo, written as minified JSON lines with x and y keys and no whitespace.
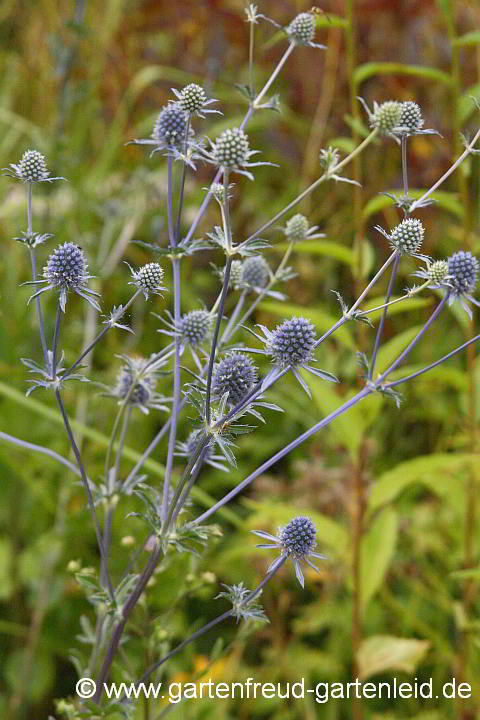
{"x":368,"y":70}
{"x":324,"y":248}
{"x":428,"y":470}
{"x":390,"y":350}
{"x":445,"y":200}
{"x":322,"y":320}
{"x":382,"y":653}
{"x":6,"y":567}
{"x":470,"y":38}
{"x":469,"y":574}
{"x":378,"y":549}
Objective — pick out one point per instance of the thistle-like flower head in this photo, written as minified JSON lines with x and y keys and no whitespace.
{"x":187,"y":449}
{"x":438,"y":272}
{"x":236,"y":271}
{"x":195,"y":327}
{"x":407,"y":237}
{"x":170,"y":126}
{"x":231,"y":149}
{"x":236,"y":375}
{"x":255,"y":272}
{"x":463,"y":268}
{"x":386,"y":117}
{"x":292,"y":342}
{"x":136,"y":384}
{"x":411,"y":117}
{"x":290,"y":347}
{"x":148,"y":278}
{"x":65,"y":271}
{"x":296,"y":540}
{"x":297,"y":229}
{"x":301,"y":30}
{"x":193,"y":100}
{"x":32,"y":168}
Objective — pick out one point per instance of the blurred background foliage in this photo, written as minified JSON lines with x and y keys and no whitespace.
{"x":392,"y":492}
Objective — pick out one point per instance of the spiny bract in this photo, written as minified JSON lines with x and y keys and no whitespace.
{"x":301,"y":30}
{"x":463,"y":268}
{"x":255,"y":272}
{"x":292,"y":342}
{"x":195,"y":326}
{"x":32,"y":166}
{"x":407,"y":237}
{"x":231,"y":148}
{"x":171,"y":125}
{"x":299,"y":537}
{"x":235,"y":374}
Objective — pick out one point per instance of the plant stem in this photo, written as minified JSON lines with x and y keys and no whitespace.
{"x":229,"y":613}
{"x":56,"y":335}
{"x":270,"y":81}
{"x":281,"y":453}
{"x":100,"y":335}
{"x":379,"y":333}
{"x":372,"y":282}
{"x":171,"y":235}
{"x":40,"y":449}
{"x":85,"y":482}
{"x":176,"y":389}
{"x":359,"y":149}
{"x":33,"y":261}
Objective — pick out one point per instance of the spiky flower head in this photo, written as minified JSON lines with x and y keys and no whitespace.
{"x":148,"y":278}
{"x":195,"y":326}
{"x":297,"y":227}
{"x":386,"y":117}
{"x":299,"y":537}
{"x":231,"y":148}
{"x":66,"y":266}
{"x":411,"y":116}
{"x":33,"y":167}
{"x":235,"y":374}
{"x":66,"y":270}
{"x":407,"y":237}
{"x":255,"y":272}
{"x":218,"y":192}
{"x":438,"y":272}
{"x":297,"y":541}
{"x":292,"y":342}
{"x":192,"y":98}
{"x":301,"y":30}
{"x":133,"y":382}
{"x":463,"y":269}
{"x":171,"y":125}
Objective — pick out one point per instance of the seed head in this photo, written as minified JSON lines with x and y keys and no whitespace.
{"x":32,"y":166}
{"x":463,"y":269}
{"x":66,"y":267}
{"x":297,"y":227}
{"x":386,"y":117}
{"x":438,"y":271}
{"x":407,"y":237}
{"x":292,"y":342}
{"x":255,"y":272}
{"x":150,"y":277}
{"x":299,"y":537}
{"x":411,"y":116}
{"x":195,"y":326}
{"x":218,"y":192}
{"x":235,"y":374}
{"x":133,"y":383}
{"x":171,"y":125}
{"x":301,"y":30}
{"x":192,"y":98}
{"x":231,"y":148}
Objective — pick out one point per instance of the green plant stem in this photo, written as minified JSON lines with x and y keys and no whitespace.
{"x":326,"y":176}
{"x":270,"y":81}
